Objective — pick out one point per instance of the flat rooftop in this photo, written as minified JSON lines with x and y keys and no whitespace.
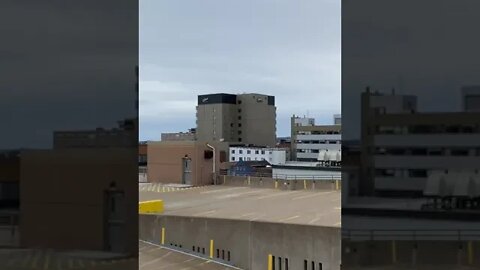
{"x":153,"y":257}
{"x":307,"y":207}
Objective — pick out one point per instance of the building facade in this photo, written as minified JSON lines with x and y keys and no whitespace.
{"x":123,"y":135}
{"x":179,"y":136}
{"x":401,"y":147}
{"x":271,"y":155}
{"x":308,"y":140}
{"x":243,"y":118}
{"x":471,"y":98}
{"x":184,"y":162}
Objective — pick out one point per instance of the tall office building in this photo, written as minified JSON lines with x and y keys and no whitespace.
{"x":243,"y":118}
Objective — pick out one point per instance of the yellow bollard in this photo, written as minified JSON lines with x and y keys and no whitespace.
{"x":304,"y":184}
{"x":163,"y":236}
{"x":211,"y":249}
{"x":276,"y":183}
{"x":394,"y":252}
{"x":470,"y":253}
{"x":270,"y":262}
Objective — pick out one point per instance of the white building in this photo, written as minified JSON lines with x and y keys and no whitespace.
{"x":309,"y":140}
{"x":402,"y":148}
{"x":273,"y":155}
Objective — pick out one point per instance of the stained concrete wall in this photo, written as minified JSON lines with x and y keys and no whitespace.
{"x":385,"y":253}
{"x":248,"y":242}
{"x":267,"y":182}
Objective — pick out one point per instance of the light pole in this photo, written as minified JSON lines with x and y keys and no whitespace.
{"x":214,"y":160}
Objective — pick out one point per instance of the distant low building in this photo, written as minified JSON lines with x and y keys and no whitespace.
{"x":402,"y":148}
{"x":125,"y":134}
{"x":184,"y":162}
{"x":180,"y":136}
{"x":251,"y":153}
{"x":251,"y":168}
{"x":308,"y":139}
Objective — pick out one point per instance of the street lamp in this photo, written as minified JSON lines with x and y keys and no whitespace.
{"x":214,"y":160}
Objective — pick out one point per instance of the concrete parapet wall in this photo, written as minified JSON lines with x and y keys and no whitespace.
{"x":407,"y":252}
{"x":246,"y":244}
{"x":291,"y":184}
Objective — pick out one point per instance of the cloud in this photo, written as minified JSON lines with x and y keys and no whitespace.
{"x":288,"y":49}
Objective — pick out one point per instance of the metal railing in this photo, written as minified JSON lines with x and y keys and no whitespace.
{"x":412,"y":235}
{"x":287,"y":177}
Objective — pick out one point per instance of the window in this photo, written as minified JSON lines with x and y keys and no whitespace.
{"x":248,"y":151}
{"x":240,"y":158}
{"x":239,"y":139}
{"x":240,"y":151}
{"x":239,"y":102}
{"x":239,"y":117}
{"x":239,"y":124}
{"x":239,"y":132}
{"x":459,"y":152}
{"x":233,"y":158}
{"x":233,"y":151}
{"x":256,"y":152}
{"x":228,"y":255}
{"x":248,"y":159}
{"x":263,"y":152}
{"x":239,"y":110}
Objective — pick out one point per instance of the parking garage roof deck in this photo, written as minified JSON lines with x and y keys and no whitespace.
{"x":305,"y":207}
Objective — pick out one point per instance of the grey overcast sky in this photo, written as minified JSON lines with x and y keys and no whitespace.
{"x":431,"y":55}
{"x":289,"y":49}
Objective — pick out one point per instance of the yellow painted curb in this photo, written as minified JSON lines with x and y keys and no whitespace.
{"x":147,"y":207}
